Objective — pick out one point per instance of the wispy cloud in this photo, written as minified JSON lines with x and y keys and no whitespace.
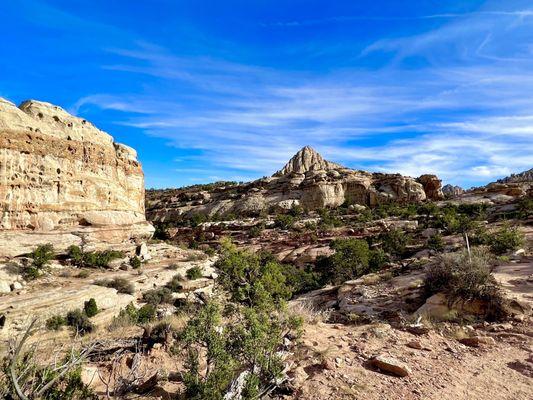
{"x":465,"y":113}
{"x":353,"y":18}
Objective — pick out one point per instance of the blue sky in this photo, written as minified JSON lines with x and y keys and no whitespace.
{"x":211,"y":90}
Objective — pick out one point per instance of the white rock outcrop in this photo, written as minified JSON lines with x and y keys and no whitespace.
{"x":65,"y":180}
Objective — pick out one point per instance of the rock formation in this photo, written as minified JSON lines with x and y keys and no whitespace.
{"x":307,"y":180}
{"x":64,"y":181}
{"x":502,"y":192}
{"x":451,"y":191}
{"x":307,"y":159}
{"x":522,"y":177}
{"x":432,"y":186}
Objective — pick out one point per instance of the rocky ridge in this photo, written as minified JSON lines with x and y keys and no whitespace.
{"x":64,"y":181}
{"x":307,"y":180}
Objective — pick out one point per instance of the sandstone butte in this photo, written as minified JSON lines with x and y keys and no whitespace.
{"x":307,"y":180}
{"x":63,"y":181}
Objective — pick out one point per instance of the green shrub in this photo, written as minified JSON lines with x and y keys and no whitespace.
{"x":435,"y":242}
{"x":328,"y":219}
{"x":55,"y":322}
{"x":158,"y":296}
{"x":161,"y":232}
{"x":249,"y":341}
{"x":98,"y":259}
{"x":130,"y":315}
{"x":350,"y":260}
{"x":253,"y":279}
{"x":75,"y":253}
{"x":284,"y":221}
{"x":463,"y":277}
{"x":452,"y":221}
{"x":135,"y":262}
{"x":79,"y":322}
{"x":42,"y":255}
{"x":197,"y":219}
{"x":378,"y":259}
{"x":101,"y":259}
{"x":90,"y":308}
{"x":30,"y":272}
{"x":525,"y":207}
{"x":394,"y":242}
{"x":427,"y":210}
{"x":256,"y":230}
{"x":296,"y":210}
{"x":176,"y":283}
{"x":193,"y":273}
{"x":146,"y":314}
{"x":301,"y":280}
{"x":506,"y":239}
{"x":394,"y":210}
{"x":479,"y":235}
{"x":122,"y":285}
{"x":473,"y":210}
{"x":210,"y":251}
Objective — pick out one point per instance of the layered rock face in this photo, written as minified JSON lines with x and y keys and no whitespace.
{"x":451,"y":191}
{"x":64,"y":181}
{"x":307,"y":180}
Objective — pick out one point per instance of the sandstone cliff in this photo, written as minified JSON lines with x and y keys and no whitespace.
{"x":64,"y":181}
{"x":307,"y":180}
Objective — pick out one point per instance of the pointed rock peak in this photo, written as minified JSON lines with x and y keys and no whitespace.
{"x":307,"y":159}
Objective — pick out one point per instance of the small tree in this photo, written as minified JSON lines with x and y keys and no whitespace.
{"x":79,"y":322}
{"x":252,"y":279}
{"x":193,"y":273}
{"x":135,"y":262}
{"x":350,"y":260}
{"x":466,"y":277}
{"x":435,"y":242}
{"x":394,"y":242}
{"x":42,"y":255}
{"x":506,"y":239}
{"x":90,"y":308}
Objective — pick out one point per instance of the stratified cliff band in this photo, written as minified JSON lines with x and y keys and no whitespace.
{"x":63,"y":178}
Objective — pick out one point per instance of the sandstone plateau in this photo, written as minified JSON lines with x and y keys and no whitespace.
{"x":307,"y":180}
{"x":63,"y":181}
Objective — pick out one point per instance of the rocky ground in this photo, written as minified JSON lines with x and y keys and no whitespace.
{"x":334,"y":361}
{"x":67,"y":287}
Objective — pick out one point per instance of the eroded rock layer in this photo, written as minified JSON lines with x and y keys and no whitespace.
{"x":307,"y":180}
{"x":61,"y":175}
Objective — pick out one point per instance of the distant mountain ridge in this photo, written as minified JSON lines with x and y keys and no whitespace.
{"x":525,"y":176}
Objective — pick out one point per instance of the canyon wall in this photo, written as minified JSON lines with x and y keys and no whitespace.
{"x":64,"y":181}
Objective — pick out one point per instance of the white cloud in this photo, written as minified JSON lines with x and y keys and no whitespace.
{"x":467,"y":121}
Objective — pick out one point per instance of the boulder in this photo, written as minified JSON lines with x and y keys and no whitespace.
{"x":432,"y":186}
{"x":89,"y":375}
{"x":5,"y":286}
{"x":390,"y":365}
{"x":439,"y":308}
{"x":477,"y":341}
{"x":142,"y":252}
